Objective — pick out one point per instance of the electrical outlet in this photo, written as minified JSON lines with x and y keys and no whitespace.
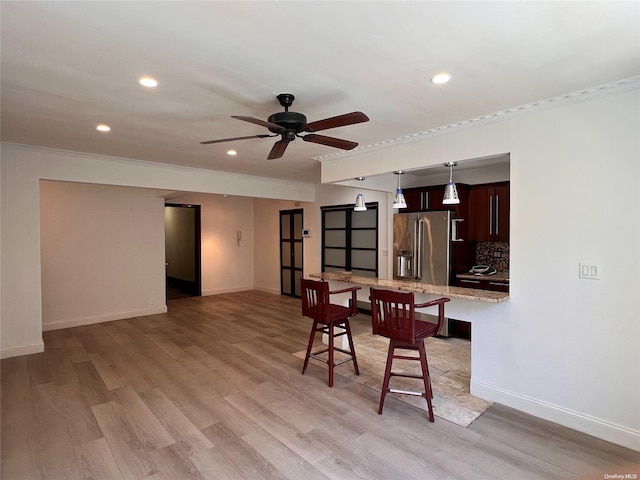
{"x":152,"y":301}
{"x":497,"y":254}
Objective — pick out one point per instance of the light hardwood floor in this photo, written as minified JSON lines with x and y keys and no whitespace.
{"x":212,"y":390}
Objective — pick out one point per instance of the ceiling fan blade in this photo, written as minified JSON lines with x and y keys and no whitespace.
{"x":333,"y":122}
{"x":257,"y":121}
{"x":330,"y":141}
{"x":236,"y":138}
{"x":278,"y":149}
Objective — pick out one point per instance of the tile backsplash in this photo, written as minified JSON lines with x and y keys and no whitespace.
{"x":495,"y":254}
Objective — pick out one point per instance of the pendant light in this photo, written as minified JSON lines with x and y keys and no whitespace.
{"x":450,"y":191}
{"x":399,"y":201}
{"x":360,"y":205}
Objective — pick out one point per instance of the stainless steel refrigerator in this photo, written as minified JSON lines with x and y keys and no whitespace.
{"x":422,"y":250}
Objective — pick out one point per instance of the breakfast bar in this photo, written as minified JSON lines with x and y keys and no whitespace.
{"x":460,"y":293}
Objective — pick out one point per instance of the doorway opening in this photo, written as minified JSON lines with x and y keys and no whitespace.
{"x":182,"y":251}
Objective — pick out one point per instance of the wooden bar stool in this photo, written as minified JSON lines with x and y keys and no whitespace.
{"x":326,"y":316}
{"x":393,"y":316}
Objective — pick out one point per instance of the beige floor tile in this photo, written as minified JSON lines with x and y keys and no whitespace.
{"x":449,"y":366}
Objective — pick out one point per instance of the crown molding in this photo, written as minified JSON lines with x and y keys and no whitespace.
{"x":624,"y":85}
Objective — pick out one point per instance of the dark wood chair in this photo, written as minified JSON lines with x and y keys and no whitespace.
{"x":393,"y":316}
{"x":326,"y":316}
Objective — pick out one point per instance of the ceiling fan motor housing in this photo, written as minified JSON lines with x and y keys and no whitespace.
{"x":291,"y":121}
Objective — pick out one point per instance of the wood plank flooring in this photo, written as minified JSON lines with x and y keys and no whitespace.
{"x":212,"y":390}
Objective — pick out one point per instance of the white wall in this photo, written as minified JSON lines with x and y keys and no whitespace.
{"x":226,"y":266}
{"x":102,"y":253}
{"x":563,"y":348}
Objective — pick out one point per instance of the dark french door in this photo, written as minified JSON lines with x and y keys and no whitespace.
{"x":291,"y":251}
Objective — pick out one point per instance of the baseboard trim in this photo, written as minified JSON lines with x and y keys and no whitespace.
{"x":107,"y":317}
{"x":611,"y":432}
{"x":218,"y":291}
{"x":8,"y":352}
{"x":241,"y":289}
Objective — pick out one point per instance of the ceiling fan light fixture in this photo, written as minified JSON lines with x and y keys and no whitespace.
{"x":361,"y":205}
{"x":399,"y":200}
{"x":451,"y":196}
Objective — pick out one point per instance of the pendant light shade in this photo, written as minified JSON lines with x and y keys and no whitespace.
{"x":450,"y":190}
{"x":399,"y":201}
{"x":360,"y":205}
{"x":450,"y":194}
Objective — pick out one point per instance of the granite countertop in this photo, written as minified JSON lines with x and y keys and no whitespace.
{"x":472,"y":294}
{"x":496,"y":277}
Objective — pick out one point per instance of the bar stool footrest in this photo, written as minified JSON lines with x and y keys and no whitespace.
{"x":405,"y":375}
{"x":406,"y":392}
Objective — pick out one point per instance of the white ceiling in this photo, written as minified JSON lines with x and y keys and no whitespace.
{"x":67,"y":66}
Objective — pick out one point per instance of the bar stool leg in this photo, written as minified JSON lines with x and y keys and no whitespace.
{"x":331,"y":362}
{"x":351,"y":347}
{"x":309,"y":346}
{"x":387,"y":375}
{"x":428,"y":393}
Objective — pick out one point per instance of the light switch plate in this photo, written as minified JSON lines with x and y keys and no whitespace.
{"x":588,"y":272}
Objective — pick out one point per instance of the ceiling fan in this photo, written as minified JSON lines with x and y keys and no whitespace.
{"x":290,"y":125}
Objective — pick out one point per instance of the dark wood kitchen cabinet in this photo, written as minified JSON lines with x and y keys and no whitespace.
{"x":424,"y":199}
{"x":488,"y":213}
{"x":483,"y":284}
{"x":415,"y":198}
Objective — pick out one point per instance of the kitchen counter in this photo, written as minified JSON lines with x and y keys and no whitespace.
{"x":498,"y":276}
{"x":472,"y":294}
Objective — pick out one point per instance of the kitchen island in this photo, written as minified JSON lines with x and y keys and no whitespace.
{"x":461,"y":293}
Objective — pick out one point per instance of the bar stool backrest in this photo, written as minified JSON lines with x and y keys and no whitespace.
{"x":315,"y":299}
{"x":393,"y":315}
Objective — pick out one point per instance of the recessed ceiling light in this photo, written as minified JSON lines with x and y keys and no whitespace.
{"x":231,"y":152}
{"x":103,"y":128}
{"x":440,"y":78}
{"x":148,"y":82}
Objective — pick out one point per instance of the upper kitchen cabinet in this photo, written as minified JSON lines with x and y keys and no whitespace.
{"x":423,"y":199}
{"x":416,"y":199}
{"x":488,"y":208}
